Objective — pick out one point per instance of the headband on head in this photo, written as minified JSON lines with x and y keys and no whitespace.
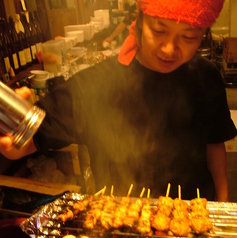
{"x":198,"y":13}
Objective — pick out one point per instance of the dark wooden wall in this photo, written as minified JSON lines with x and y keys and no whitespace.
{"x":2,"y":9}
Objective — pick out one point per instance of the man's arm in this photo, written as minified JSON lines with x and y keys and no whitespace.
{"x":217,"y":164}
{"x":119,"y":29}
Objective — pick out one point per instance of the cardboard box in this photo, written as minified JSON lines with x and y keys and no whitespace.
{"x":230,"y":49}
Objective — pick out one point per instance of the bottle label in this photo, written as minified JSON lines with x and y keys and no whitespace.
{"x":28,"y":55}
{"x":15,"y":61}
{"x":33,"y":51}
{"x":7,"y":64}
{"x":39,"y":47}
{"x":22,"y":58}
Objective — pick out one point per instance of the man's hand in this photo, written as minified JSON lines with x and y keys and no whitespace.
{"x":23,"y":92}
{"x":6,"y":147}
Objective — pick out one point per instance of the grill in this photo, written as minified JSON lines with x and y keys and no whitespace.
{"x":44,"y":223}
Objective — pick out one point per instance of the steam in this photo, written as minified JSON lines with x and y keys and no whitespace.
{"x":125,"y":128}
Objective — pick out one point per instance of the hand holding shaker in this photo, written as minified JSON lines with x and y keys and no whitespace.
{"x":18,"y":117}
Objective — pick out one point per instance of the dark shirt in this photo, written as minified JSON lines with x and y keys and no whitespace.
{"x":141,"y":126}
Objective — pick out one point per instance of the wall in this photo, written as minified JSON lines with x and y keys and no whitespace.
{"x":221,"y":26}
{"x":233,"y":18}
{"x":31,"y":5}
{"x":9,"y":7}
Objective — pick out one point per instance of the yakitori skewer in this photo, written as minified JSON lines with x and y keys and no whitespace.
{"x":133,"y":211}
{"x":94,"y":213}
{"x":179,"y":224}
{"x":121,"y":210}
{"x":65,"y":216}
{"x":199,"y":216}
{"x":81,"y":206}
{"x":161,"y":218}
{"x":144,"y":224}
{"x":107,"y":215}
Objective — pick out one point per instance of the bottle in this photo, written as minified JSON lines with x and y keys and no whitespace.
{"x":21,"y":34}
{"x":17,"y":44}
{"x":10,"y":48}
{"x":35,"y":35}
{"x":37,"y":26}
{"x":29,"y":36}
{"x":2,"y":66}
{"x":5,"y":59}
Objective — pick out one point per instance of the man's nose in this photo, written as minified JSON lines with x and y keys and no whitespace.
{"x":168,"y":47}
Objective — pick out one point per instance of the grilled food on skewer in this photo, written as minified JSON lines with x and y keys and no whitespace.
{"x":161,"y":222}
{"x":121,"y":210}
{"x":133,"y":212}
{"x":106,"y":220}
{"x":94,"y":214}
{"x":198,"y":203}
{"x":200,"y":224}
{"x":107,"y":215}
{"x":161,"y":217}
{"x":180,"y":224}
{"x":144,"y":224}
{"x":181,"y":209}
{"x":65,"y":216}
{"x":199,"y":216}
{"x":165,"y":205}
{"x":81,"y":206}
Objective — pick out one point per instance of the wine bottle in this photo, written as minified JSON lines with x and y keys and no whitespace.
{"x":35,"y":34}
{"x":17,"y":44}
{"x":24,"y":41}
{"x":4,"y":59}
{"x":10,"y":48}
{"x":29,"y":36}
{"x":37,"y":26}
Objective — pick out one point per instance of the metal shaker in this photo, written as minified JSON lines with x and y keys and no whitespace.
{"x":18,"y":117}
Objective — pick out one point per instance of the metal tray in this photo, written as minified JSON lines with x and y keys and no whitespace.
{"x":44,"y":223}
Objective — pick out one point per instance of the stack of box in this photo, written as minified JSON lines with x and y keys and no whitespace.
{"x":229,"y":64}
{"x":230,"y":49}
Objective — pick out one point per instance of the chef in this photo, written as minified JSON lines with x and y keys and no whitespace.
{"x":154,"y":115}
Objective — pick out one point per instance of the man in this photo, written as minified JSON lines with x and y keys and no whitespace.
{"x":156,"y":115}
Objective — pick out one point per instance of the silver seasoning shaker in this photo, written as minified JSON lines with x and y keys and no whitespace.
{"x":18,"y":117}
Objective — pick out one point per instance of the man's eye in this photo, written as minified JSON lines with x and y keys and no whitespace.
{"x":189,"y":37}
{"x":158,"y":31}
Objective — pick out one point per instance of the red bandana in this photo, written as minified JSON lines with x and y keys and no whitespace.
{"x":198,"y":13}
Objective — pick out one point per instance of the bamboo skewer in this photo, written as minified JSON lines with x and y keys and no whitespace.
{"x":142,"y":192}
{"x":112,"y":190}
{"x":168,"y":190}
{"x":198,"y":193}
{"x":179,"y":192}
{"x":148,"y":193}
{"x":130,"y":190}
{"x":99,"y":192}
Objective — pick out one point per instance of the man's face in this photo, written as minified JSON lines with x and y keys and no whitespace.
{"x":166,"y":44}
